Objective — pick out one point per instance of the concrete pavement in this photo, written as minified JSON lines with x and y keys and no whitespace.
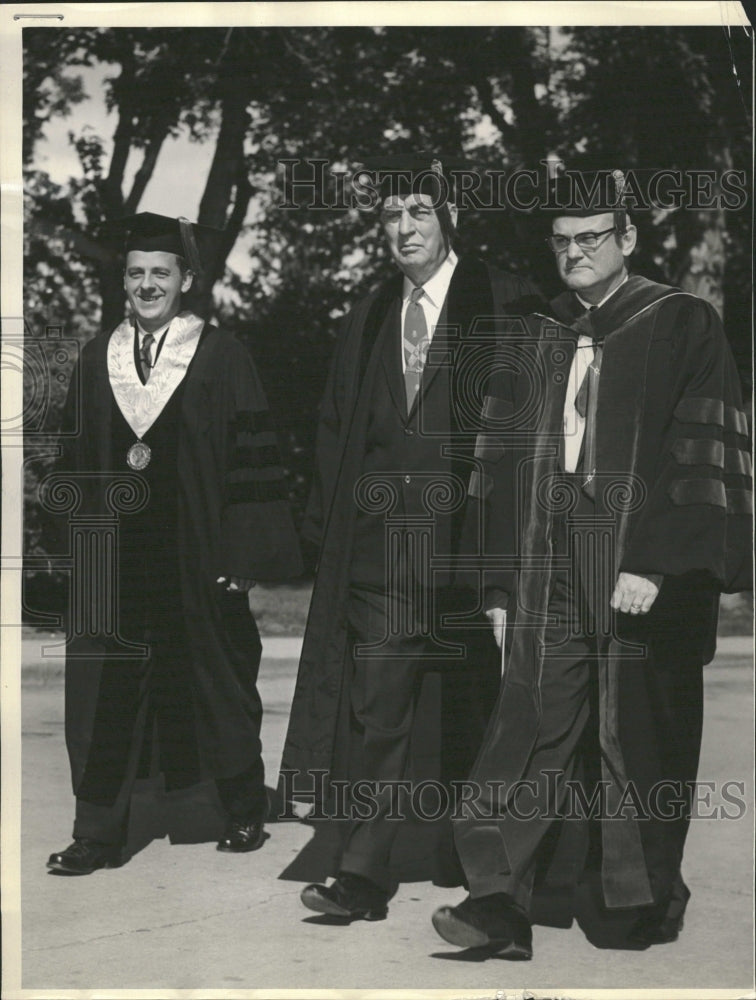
{"x":182,"y":916}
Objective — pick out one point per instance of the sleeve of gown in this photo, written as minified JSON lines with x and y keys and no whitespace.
{"x":698,"y":512}
{"x":491,"y":491}
{"x":71,"y":443}
{"x":74,"y":438}
{"x":490,"y":520}
{"x":525,"y":299}
{"x":258,"y":539}
{"x":327,"y":448}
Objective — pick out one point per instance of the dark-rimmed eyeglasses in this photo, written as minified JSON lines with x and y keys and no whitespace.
{"x":586,"y":241}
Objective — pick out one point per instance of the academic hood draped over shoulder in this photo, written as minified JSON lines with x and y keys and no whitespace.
{"x":673,"y":497}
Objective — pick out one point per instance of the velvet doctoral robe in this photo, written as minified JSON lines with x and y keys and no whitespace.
{"x":673,"y":497}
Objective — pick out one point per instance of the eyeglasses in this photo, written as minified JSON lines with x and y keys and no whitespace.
{"x":586,"y":241}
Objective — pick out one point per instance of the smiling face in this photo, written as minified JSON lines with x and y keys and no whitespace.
{"x":154,"y":284}
{"x":593,"y":274}
{"x":414,"y":235}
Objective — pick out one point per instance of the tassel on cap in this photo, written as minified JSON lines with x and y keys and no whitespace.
{"x":190,"y":245}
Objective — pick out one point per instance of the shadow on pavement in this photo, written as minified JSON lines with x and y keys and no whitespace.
{"x":187,"y":816}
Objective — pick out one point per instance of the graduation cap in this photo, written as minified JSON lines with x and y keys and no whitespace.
{"x":150,"y":232}
{"x":583,"y":193}
{"x":631,"y":192}
{"x":415,"y":173}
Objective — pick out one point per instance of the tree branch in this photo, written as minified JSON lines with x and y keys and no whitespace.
{"x":243,"y":194}
{"x":112,"y":191}
{"x":484,"y":88}
{"x":143,"y":175}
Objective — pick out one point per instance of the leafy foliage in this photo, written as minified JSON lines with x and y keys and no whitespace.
{"x":501,"y":97}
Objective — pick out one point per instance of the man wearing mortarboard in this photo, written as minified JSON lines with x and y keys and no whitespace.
{"x":175,"y":404}
{"x":636,"y":515}
{"x":394,"y":451}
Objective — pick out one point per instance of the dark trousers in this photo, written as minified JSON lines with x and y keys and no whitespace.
{"x":565,"y":705}
{"x":385,"y":687}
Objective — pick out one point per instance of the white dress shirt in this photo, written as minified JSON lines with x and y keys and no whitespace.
{"x":574,"y":424}
{"x":435,"y":291}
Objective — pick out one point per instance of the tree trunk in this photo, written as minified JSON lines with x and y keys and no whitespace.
{"x":112,"y":185}
{"x":227,"y":168}
{"x":703,"y":269}
{"x":531,"y":127}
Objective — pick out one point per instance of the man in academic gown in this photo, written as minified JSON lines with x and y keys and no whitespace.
{"x":167,"y":414}
{"x":618,"y":482}
{"x":394,"y":450}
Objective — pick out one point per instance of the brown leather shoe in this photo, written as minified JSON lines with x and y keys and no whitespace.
{"x":85,"y":856}
{"x":494,"y":923}
{"x":351,"y":897}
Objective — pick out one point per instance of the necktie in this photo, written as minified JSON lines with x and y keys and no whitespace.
{"x":415,"y":336}
{"x":581,"y":399}
{"x":583,"y":326}
{"x":585,"y":403}
{"x":145,"y":355}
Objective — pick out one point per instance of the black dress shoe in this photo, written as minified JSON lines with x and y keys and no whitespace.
{"x":85,"y":856}
{"x":351,"y":897}
{"x":242,"y":836}
{"x":494,"y":923}
{"x":662,"y":923}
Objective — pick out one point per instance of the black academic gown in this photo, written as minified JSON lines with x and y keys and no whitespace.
{"x":673,"y":497}
{"x":350,"y":439}
{"x":218,"y":507}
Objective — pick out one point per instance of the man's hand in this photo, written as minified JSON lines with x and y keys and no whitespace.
{"x":635,"y":594}
{"x":498,"y":618}
{"x":234,"y":583}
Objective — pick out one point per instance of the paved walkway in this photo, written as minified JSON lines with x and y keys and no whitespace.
{"x":180,"y":915}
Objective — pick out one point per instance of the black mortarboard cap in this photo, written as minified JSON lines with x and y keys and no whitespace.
{"x":585,"y":192}
{"x":149,"y":231}
{"x":415,"y":173}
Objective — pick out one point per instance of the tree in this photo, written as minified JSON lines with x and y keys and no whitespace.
{"x":673,"y":98}
{"x":500,"y":98}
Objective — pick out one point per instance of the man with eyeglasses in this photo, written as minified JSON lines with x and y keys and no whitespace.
{"x":381,"y":672}
{"x":619,"y":506}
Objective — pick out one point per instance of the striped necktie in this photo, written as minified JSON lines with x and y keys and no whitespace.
{"x":145,"y":355}
{"x":415,"y":337}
